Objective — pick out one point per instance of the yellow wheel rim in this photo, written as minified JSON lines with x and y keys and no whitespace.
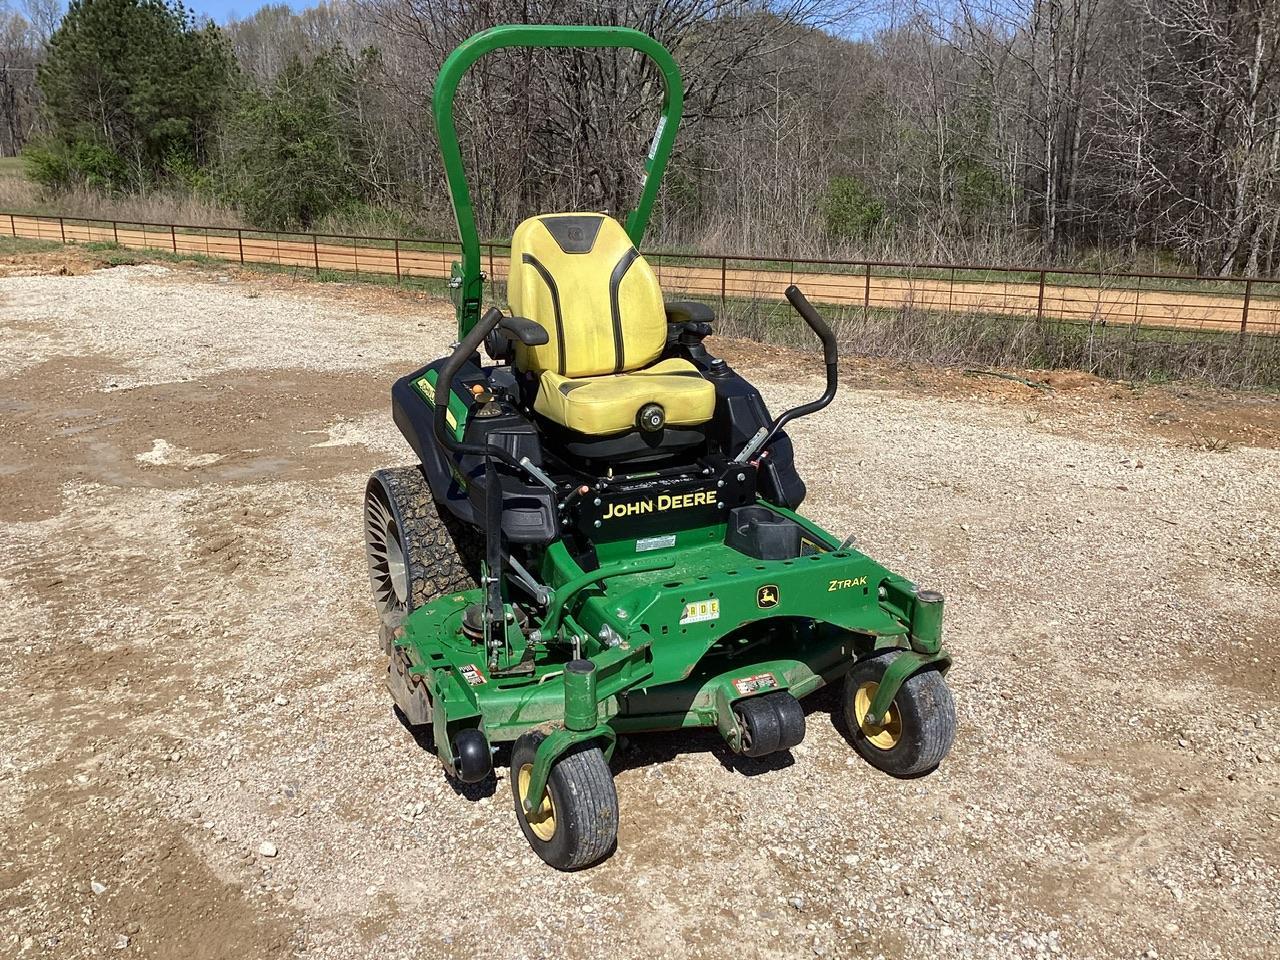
{"x":541,"y":819}
{"x":884,"y":735}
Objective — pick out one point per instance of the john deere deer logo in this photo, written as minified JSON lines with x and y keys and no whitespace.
{"x":767,"y":596}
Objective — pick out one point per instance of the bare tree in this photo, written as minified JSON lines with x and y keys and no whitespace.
{"x":569,"y":128}
{"x":20,"y":48}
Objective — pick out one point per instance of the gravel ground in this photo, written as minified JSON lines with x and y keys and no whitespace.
{"x":197,"y":758}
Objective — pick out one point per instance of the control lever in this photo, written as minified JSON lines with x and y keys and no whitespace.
{"x":830,"y":355}
{"x":529,"y":332}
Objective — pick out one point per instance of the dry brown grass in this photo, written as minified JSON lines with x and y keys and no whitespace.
{"x":966,"y":339}
{"x":17,"y":193}
{"x":20,"y":195}
{"x":721,"y":235}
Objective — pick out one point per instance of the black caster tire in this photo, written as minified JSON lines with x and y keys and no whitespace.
{"x":472,"y":756}
{"x":919,"y":728}
{"x":760,"y":727}
{"x":791,"y":725}
{"x":576,"y":824}
{"x":416,"y":550}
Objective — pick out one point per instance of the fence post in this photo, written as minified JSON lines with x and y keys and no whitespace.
{"x":62,"y":228}
{"x":866,"y":293}
{"x":173,"y":237}
{"x":13,"y":227}
{"x":240,"y":244}
{"x":490,"y":263}
{"x":315,"y":253}
{"x":355,"y":256}
{"x":1244,"y":315}
{"x":397,"y":242}
{"x":723,"y":271}
{"x":1040,"y":300}
{"x":1137,"y":298}
{"x":1097,"y":303}
{"x":115,"y":232}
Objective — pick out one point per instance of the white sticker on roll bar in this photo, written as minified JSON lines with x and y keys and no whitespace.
{"x":657,"y":135}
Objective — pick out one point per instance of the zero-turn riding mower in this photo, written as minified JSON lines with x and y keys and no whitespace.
{"x":601,"y":538}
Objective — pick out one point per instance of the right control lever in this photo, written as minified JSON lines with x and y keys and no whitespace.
{"x":830,"y":356}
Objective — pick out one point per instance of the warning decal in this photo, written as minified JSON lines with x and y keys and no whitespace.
{"x":761,"y":681}
{"x":471,"y":673}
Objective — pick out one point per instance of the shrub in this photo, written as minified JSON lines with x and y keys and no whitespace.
{"x":849,"y":210}
{"x":58,"y":166}
{"x":48,"y":165}
{"x":295,"y":150}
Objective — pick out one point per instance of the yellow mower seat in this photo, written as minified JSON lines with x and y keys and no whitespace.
{"x":578,"y":275}
{"x":610,"y":404}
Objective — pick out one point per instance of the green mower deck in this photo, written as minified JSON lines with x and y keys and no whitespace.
{"x":672,"y":645}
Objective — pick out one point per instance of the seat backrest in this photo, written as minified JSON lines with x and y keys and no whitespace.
{"x":579,"y":276}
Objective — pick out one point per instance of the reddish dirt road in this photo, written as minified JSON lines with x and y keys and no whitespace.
{"x":1079,"y":304}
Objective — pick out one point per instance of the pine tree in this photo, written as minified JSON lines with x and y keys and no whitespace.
{"x":131,"y":88}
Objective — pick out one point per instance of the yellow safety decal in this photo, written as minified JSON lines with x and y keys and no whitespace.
{"x":701,"y":611}
{"x":426,"y":388}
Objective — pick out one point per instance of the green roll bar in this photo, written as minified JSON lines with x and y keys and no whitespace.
{"x":468,"y":278}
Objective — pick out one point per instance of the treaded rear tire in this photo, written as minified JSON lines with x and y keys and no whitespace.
{"x":441,"y":554}
{"x":585,"y":805}
{"x":926,"y":715}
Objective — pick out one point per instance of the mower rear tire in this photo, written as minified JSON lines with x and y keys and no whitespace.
{"x":918,"y":729}
{"x":576,"y":822}
{"x":417,"y":551}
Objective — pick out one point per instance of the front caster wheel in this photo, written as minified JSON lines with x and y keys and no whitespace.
{"x":917,"y":730}
{"x":472,"y":757}
{"x":769,"y":723}
{"x":575,"y":822}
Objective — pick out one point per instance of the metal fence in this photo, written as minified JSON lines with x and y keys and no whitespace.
{"x":1170,"y":301}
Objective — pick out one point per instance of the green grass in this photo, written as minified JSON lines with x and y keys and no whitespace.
{"x":12,"y":167}
{"x":433,"y":285}
{"x":114,"y":255}
{"x":15,"y":245}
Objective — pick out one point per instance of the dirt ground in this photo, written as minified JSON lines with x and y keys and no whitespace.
{"x":189,"y":668}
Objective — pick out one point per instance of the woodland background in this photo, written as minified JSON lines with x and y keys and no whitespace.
{"x":1134,"y":133}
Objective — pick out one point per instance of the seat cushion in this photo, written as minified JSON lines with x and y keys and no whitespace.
{"x":610,"y":404}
